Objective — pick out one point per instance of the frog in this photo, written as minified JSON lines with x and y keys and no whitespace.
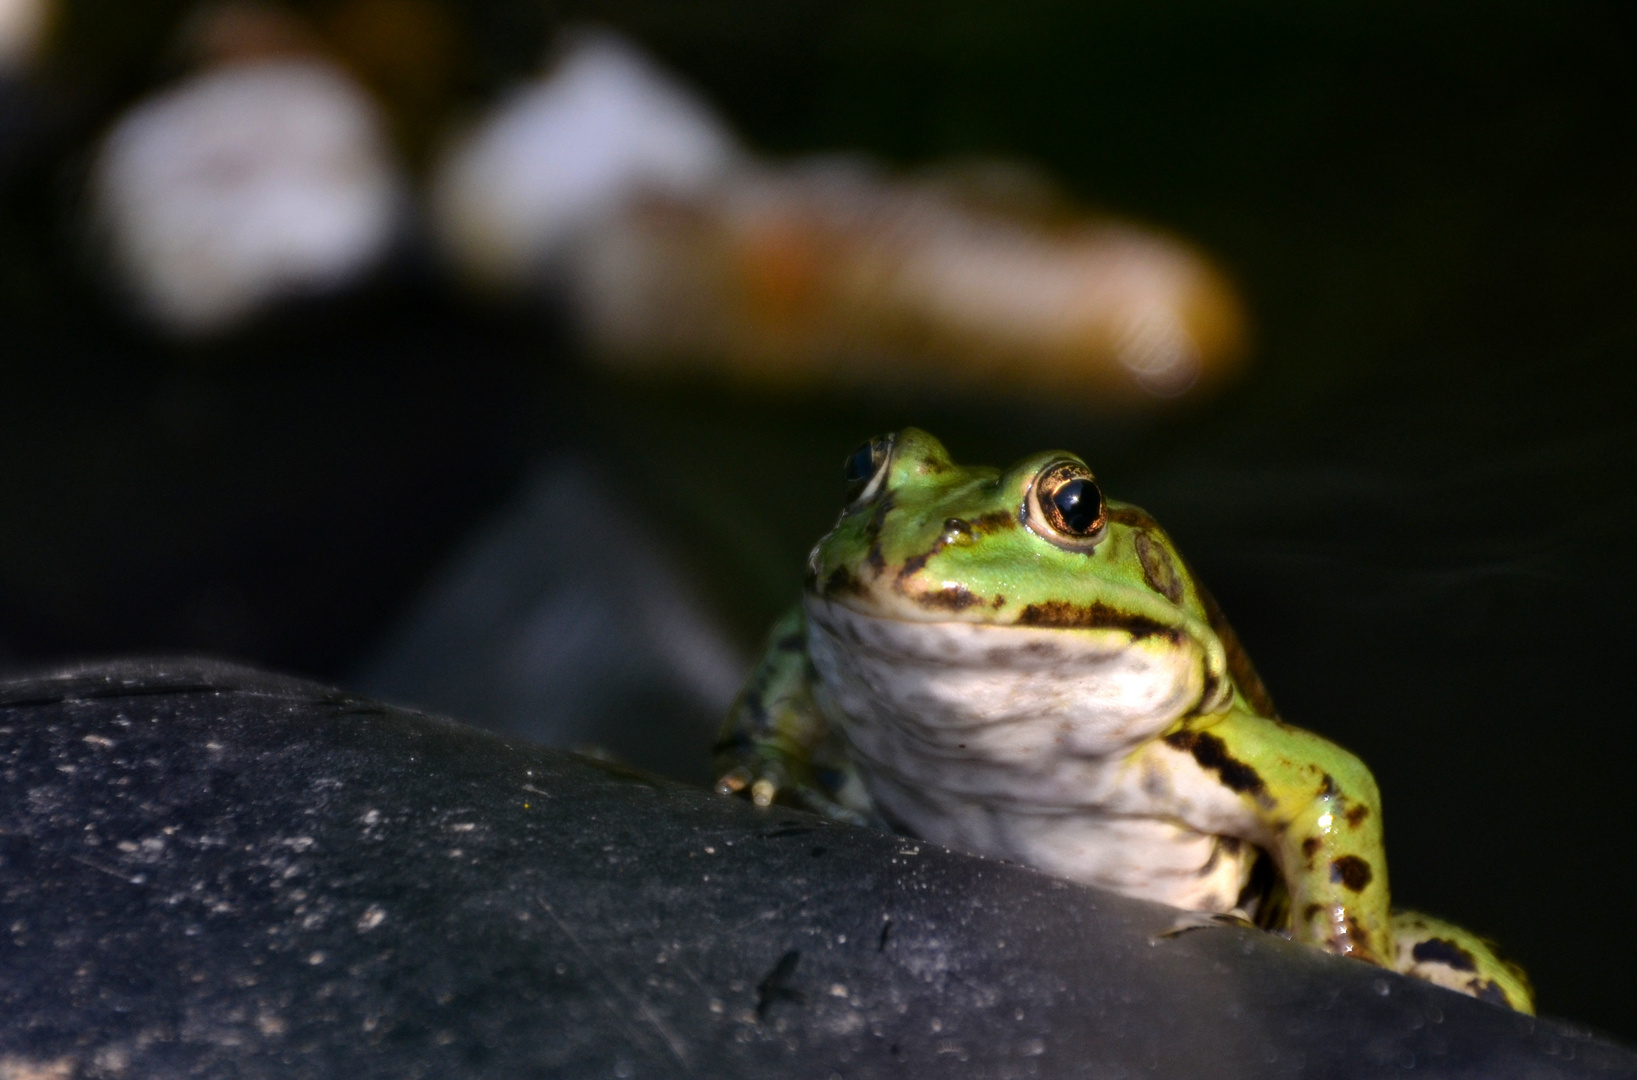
{"x":1011,"y":664}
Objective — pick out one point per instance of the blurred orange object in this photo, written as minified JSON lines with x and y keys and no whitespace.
{"x":831,"y":273}
{"x":682,"y":252}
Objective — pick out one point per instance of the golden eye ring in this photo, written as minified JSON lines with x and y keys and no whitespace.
{"x":1066,"y":507}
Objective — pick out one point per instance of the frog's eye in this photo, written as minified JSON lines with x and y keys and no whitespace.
{"x":1065,"y":499}
{"x":866,"y":466}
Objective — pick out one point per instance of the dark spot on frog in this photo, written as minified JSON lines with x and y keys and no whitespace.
{"x":1443,"y":951}
{"x":776,"y":986}
{"x":1356,"y":814}
{"x":1327,"y":787}
{"x":1061,"y":615}
{"x":1311,"y":912}
{"x":993,"y":522}
{"x":1489,"y":990}
{"x":886,"y":932}
{"x":1230,"y":844}
{"x":841,"y":582}
{"x":877,"y":561}
{"x":1158,"y":569}
{"x":1212,"y":753}
{"x":1310,"y":848}
{"x":952,"y":598}
{"x":1351,"y":872}
{"x":998,"y":601}
{"x":1356,"y":935}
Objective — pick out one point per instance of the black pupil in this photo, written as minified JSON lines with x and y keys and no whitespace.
{"x":861,"y":465}
{"x":1079,"y":504}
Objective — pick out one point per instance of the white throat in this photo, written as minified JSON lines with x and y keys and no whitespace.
{"x":914,"y":694}
{"x":1018,"y":742}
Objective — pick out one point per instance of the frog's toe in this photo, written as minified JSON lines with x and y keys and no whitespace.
{"x":763,"y":784}
{"x":1202,"y":920}
{"x":1459,"y":960}
{"x":735,"y":780}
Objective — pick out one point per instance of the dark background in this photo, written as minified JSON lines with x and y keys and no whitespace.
{"x":1418,"y":507}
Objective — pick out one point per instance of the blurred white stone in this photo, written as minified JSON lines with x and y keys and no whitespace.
{"x":567,"y":150}
{"x":22,"y":33}
{"x":246,"y":183}
{"x":832,"y":272}
{"x":611,"y":186}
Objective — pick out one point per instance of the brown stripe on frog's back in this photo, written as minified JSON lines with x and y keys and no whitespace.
{"x":1239,"y":665}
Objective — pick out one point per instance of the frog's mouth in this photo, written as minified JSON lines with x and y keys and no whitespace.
{"x":1097,"y":686}
{"x":949,"y":600}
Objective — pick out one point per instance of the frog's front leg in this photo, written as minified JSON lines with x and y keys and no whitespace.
{"x":1312,"y":806}
{"x":775,"y":743}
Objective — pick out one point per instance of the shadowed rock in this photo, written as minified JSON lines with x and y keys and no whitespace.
{"x":213,"y":871}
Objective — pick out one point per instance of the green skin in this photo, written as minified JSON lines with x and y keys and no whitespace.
{"x":931,"y":544}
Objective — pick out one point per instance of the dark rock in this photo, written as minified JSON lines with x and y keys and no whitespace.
{"x":216,"y":872}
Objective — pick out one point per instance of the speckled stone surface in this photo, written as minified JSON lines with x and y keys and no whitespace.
{"x":209,"y":871}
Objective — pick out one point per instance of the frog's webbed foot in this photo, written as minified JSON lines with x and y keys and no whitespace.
{"x":1459,"y":960}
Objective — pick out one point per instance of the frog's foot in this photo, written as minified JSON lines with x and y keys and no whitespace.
{"x":1202,"y":920}
{"x":742,"y":779}
{"x":767,"y":781}
{"x":1458,"y":960}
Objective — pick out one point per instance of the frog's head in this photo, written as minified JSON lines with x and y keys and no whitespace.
{"x":1036,"y":548}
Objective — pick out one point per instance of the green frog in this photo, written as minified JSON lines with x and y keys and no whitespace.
{"x":1008,"y":663}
